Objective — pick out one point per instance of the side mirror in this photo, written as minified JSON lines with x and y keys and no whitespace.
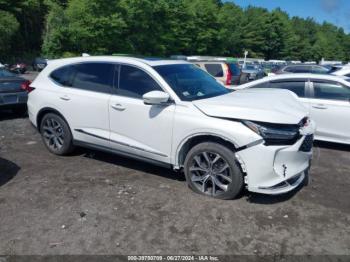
{"x":155,"y":98}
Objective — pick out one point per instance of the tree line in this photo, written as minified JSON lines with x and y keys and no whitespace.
{"x":54,"y":28}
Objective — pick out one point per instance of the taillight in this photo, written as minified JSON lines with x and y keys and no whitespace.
{"x":26,"y":86}
{"x":228,"y":75}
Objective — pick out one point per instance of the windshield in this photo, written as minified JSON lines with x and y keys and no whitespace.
{"x":190,"y":82}
{"x":5,"y":73}
{"x":250,"y":67}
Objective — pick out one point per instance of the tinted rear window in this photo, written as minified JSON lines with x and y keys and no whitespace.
{"x":214,"y":69}
{"x":96,"y":77}
{"x":63,"y":75}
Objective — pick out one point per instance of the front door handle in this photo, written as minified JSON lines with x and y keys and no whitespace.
{"x":319,"y":106}
{"x":118,"y":107}
{"x":65,"y":98}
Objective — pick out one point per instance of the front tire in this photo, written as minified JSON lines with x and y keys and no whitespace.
{"x":212,"y":169}
{"x":56,"y":134}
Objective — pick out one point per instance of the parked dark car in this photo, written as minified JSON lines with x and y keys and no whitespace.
{"x":253,"y":72}
{"x":39,"y":64}
{"x":13,"y":92}
{"x":19,"y":68}
{"x":303,"y":68}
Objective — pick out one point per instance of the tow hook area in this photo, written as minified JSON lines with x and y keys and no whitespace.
{"x":284,"y":170}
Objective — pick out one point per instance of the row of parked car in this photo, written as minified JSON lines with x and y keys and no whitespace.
{"x":20,"y":68}
{"x":190,"y":116}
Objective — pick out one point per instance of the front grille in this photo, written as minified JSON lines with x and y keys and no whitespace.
{"x":306,"y":146}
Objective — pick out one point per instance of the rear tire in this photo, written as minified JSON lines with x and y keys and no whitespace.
{"x":212,"y":169}
{"x":56,"y":134}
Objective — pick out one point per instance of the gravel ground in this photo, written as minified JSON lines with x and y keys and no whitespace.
{"x":97,"y":203}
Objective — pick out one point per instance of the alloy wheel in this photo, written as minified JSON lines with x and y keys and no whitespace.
{"x":210,"y":173}
{"x":53,"y":134}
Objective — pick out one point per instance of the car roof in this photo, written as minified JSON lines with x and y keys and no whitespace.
{"x":295,"y":76}
{"x":121,"y":59}
{"x":343,"y":71}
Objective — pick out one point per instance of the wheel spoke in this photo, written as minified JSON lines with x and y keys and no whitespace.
{"x":195,"y":178}
{"x":225,"y":177}
{"x":198,"y":169}
{"x":213,"y":186}
{"x":60,"y":141}
{"x":223,"y":168}
{"x":217,"y":157}
{"x":198,"y":161}
{"x":219,"y":184}
{"x":47,"y":136}
{"x":205,"y":154}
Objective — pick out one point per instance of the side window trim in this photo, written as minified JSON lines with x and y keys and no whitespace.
{"x":309,"y":89}
{"x":121,"y":64}
{"x":116,"y":78}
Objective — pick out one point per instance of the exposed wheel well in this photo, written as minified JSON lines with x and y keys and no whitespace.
{"x":190,"y":143}
{"x":45,"y":111}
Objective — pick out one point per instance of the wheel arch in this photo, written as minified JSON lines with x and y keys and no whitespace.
{"x":47,"y":110}
{"x":196,"y":139}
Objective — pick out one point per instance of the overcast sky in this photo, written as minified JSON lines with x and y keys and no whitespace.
{"x":334,"y":11}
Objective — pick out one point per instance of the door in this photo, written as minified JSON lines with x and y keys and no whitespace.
{"x":84,"y":100}
{"x":136,"y":128}
{"x":330,"y":109}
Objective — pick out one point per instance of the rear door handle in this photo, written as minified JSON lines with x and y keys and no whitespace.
{"x":118,"y":107}
{"x":65,"y":98}
{"x":319,"y":106}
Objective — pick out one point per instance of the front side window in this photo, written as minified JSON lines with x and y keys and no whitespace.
{"x":97,"y":77}
{"x":189,"y":82}
{"x":214,"y":69}
{"x":135,"y":82}
{"x":297,"y":87}
{"x":331,"y":91}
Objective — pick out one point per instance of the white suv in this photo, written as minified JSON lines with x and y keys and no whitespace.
{"x":175,"y":114}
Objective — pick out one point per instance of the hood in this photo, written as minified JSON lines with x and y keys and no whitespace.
{"x":263,"y":105}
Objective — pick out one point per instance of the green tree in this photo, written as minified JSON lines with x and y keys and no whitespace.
{"x":8,"y":28}
{"x":230,"y":20}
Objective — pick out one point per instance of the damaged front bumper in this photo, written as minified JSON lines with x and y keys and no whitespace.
{"x":277,"y":169}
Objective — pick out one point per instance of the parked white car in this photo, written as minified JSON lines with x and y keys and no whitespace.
{"x":173,"y":113}
{"x":343,"y":72}
{"x":326,"y":97}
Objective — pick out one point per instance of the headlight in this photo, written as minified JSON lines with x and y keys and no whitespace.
{"x":275,"y":134}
